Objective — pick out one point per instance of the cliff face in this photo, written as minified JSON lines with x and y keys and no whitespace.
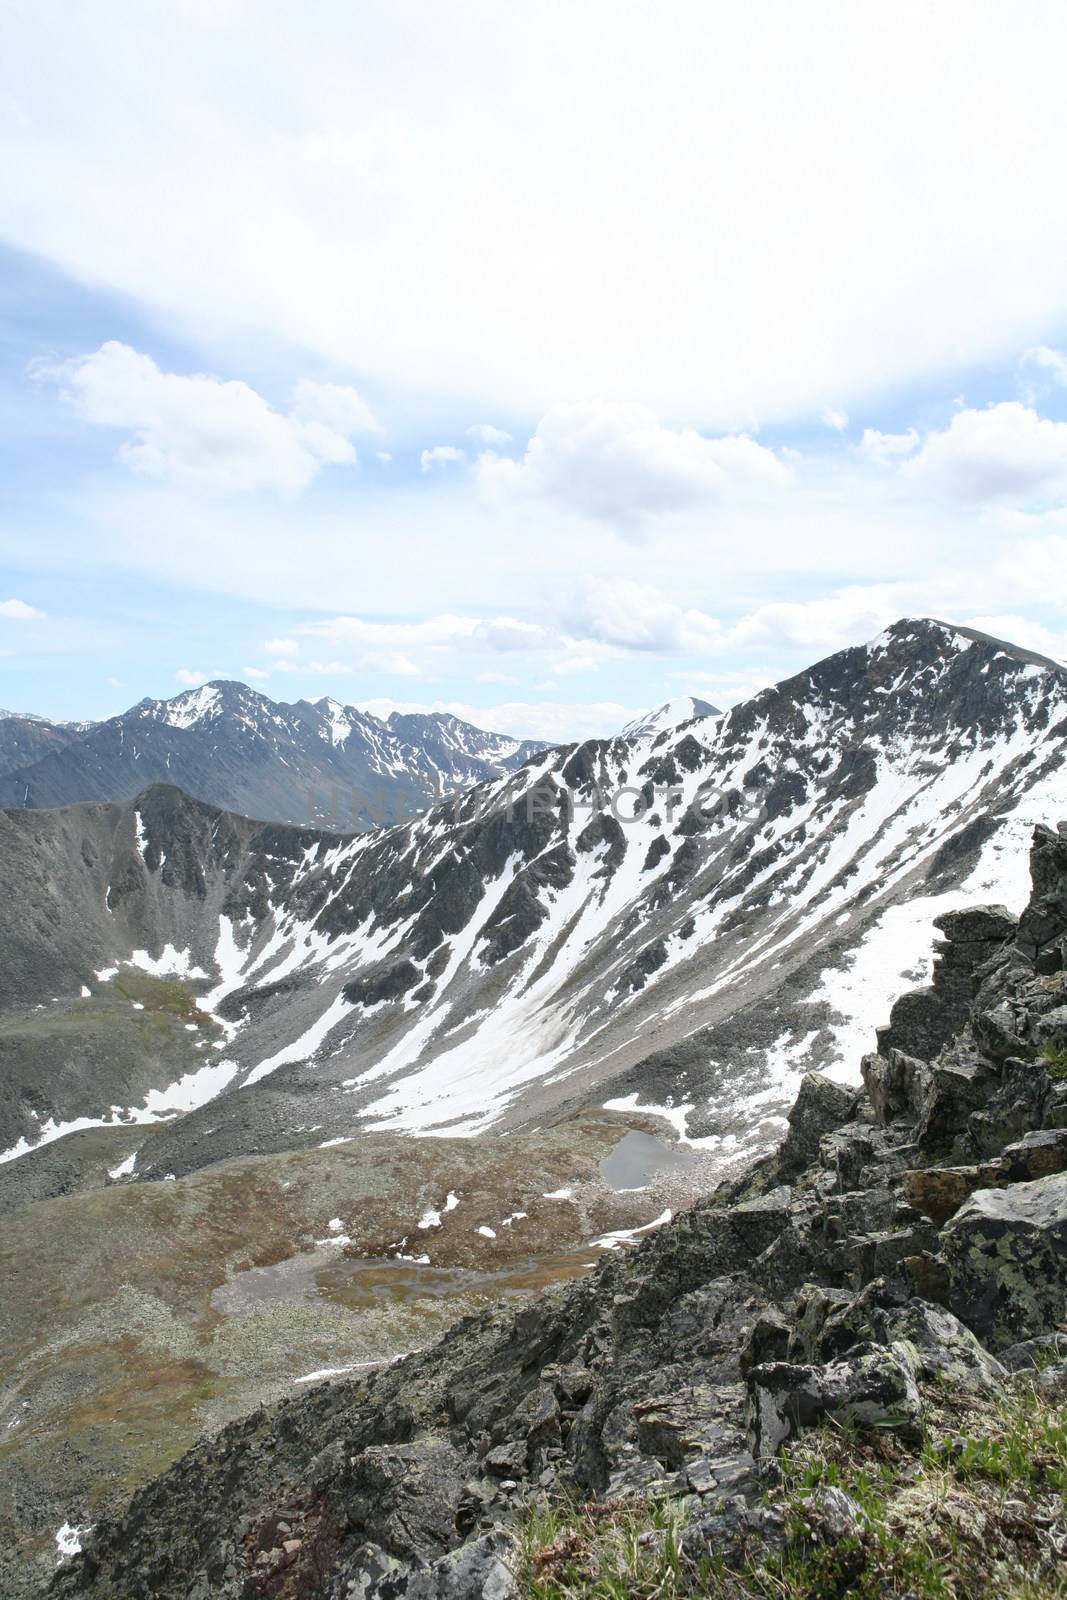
{"x":905,"y":1241}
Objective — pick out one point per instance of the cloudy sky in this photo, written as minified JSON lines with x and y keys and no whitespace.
{"x":536,"y":362}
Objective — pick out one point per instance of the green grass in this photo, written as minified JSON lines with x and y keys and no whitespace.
{"x":1055,"y":1062}
{"x":965,"y":1517}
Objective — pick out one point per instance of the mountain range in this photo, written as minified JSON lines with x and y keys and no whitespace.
{"x":683,"y":920}
{"x":312,"y":761}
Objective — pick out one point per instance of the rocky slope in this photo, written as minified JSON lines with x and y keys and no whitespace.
{"x":886,"y":1269}
{"x":686,"y":920}
{"x":313,"y":761}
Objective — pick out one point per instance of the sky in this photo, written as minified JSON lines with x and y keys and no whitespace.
{"x":535,"y":363}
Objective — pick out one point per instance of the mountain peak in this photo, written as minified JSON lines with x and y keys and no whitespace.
{"x":671,"y":714}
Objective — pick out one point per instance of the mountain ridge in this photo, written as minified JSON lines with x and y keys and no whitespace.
{"x":474,"y":969}
{"x":303,"y":762}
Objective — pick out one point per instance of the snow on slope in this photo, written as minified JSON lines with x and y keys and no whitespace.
{"x":683,"y":708}
{"x":694,"y":918}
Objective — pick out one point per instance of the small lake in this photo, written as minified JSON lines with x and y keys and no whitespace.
{"x":638,"y":1158}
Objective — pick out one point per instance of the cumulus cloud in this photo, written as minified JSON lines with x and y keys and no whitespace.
{"x":255,"y":673}
{"x":209,"y":433}
{"x":1004,"y":452}
{"x":487,"y":434}
{"x":636,"y":616}
{"x":281,"y":647}
{"x":1023,"y":631}
{"x":440,"y":455}
{"x":836,"y":419}
{"x":193,"y":677}
{"x":19,"y":611}
{"x":887,"y":448}
{"x":1054,"y":362}
{"x":616,"y":462}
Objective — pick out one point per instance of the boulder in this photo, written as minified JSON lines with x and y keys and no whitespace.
{"x":820,"y":1106}
{"x":942,"y":1348}
{"x":938,"y":1192}
{"x":870,"y":1387}
{"x":1006,"y":1254}
{"x":1038,"y":1154}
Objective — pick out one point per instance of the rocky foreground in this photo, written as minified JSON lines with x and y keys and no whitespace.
{"x":843,"y":1374}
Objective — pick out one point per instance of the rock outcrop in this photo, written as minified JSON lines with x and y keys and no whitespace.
{"x":903,"y":1237}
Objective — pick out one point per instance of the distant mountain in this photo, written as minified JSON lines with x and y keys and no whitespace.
{"x":309,"y":762}
{"x":26,"y":739}
{"x":683,"y":708}
{"x":538,"y":947}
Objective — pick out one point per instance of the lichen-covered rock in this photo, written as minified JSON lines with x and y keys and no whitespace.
{"x":485,"y":1568}
{"x":872,"y":1387}
{"x":1006,"y":1251}
{"x":941,"y":1347}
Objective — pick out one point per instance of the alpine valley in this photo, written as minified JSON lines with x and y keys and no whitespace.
{"x":280,"y":1100}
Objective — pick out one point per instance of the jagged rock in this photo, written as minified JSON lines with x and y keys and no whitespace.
{"x":485,"y":1568}
{"x":924,"y":1020}
{"x":872,"y":1386}
{"x":938,"y":1192}
{"x":958,"y":1088}
{"x":406,"y":1496}
{"x":897,"y":1085}
{"x":1006,"y":1251}
{"x":1051,"y":1029}
{"x":1043,"y":924}
{"x":820,"y":1106}
{"x":831,"y":1515}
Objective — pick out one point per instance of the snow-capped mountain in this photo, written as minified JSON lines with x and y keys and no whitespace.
{"x":312,"y":761}
{"x":671,"y":714}
{"x":686,"y":919}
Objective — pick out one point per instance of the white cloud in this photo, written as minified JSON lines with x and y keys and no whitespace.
{"x":19,"y":611}
{"x":384,"y":456}
{"x":1005,"y":451}
{"x":256,"y":673}
{"x":208,"y":433}
{"x":487,"y":434}
{"x":115,"y":683}
{"x":496,"y":677}
{"x":820,"y":625}
{"x":1052,"y":361}
{"x":441,"y":455}
{"x":686,"y":281}
{"x":1023,"y":631}
{"x":335,"y":406}
{"x":192,"y":677}
{"x":886,"y":448}
{"x":281,"y":647}
{"x":636,"y":616}
{"x":618,"y":463}
{"x":554,"y":721}
{"x":835,"y":418}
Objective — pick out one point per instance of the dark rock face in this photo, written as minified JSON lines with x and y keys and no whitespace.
{"x":834,"y":1279}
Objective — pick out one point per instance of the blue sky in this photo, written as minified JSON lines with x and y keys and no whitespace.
{"x":540,"y":370}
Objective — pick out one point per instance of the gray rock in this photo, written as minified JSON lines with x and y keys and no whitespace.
{"x":1006,"y":1251}
{"x":820,"y":1106}
{"x":872,"y":1387}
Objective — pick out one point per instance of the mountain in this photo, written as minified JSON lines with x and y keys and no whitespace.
{"x":26,"y":739}
{"x":883,"y":1294}
{"x":683,"y":708}
{"x":529,"y":947}
{"x":313,"y":761}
